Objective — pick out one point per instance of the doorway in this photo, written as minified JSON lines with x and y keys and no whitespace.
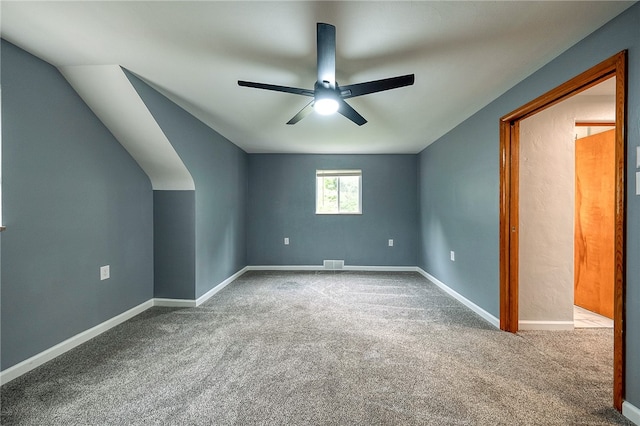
{"x":509,"y":201}
{"x":557,"y":173}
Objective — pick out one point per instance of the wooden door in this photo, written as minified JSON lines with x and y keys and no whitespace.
{"x":594,"y":249}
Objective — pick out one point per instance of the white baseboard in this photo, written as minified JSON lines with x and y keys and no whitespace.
{"x":380,"y":268}
{"x":322,"y":268}
{"x":200,"y":300}
{"x":190,"y":303}
{"x":285,"y":268}
{"x":469,"y":304}
{"x":37,"y":360}
{"x":631,"y":412}
{"x":174,"y":303}
{"x":545,"y":325}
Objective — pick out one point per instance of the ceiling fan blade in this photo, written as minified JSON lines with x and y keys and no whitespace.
{"x":346,"y":110}
{"x":353,"y":90}
{"x":286,"y":89}
{"x":326,"y":49}
{"x":302,"y":114}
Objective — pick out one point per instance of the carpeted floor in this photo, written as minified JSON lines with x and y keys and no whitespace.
{"x":321,"y":348}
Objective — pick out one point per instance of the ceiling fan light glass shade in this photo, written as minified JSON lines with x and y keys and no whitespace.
{"x":326,"y":106}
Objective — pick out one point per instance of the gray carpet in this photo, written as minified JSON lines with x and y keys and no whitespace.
{"x":321,"y":348}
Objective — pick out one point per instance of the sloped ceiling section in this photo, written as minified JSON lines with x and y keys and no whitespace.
{"x":110,"y":95}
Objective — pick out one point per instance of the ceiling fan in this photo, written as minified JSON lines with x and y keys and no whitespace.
{"x":328,"y":96}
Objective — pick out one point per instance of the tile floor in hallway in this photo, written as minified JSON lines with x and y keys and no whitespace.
{"x":583,"y":318}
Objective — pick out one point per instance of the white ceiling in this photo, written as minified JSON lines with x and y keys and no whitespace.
{"x":463,"y":54}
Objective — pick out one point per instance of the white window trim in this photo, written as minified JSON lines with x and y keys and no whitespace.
{"x":337,"y":173}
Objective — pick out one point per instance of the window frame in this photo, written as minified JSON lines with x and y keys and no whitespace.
{"x":321,"y":173}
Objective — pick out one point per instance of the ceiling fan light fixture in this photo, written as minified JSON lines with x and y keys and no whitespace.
{"x":326,"y":106}
{"x":328,"y":96}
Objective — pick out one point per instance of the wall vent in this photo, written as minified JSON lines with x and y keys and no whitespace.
{"x":333,"y":264}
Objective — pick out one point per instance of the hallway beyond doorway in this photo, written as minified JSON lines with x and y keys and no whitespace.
{"x":583,"y":318}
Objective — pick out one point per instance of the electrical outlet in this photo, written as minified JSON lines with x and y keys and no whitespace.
{"x":390,"y":243}
{"x":286,"y":241}
{"x":104,"y":272}
{"x":453,"y":256}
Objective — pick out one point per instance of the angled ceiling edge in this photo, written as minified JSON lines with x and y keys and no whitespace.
{"x":112,"y":98}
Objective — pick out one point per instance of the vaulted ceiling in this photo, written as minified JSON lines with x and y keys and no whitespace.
{"x":463,"y":55}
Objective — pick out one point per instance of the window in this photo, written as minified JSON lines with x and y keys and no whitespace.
{"x":338,"y":191}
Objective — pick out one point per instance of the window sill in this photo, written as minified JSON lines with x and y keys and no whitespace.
{"x":340,"y":214}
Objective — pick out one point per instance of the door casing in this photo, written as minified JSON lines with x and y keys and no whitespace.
{"x":509,"y":230}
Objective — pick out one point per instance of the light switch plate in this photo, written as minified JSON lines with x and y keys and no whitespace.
{"x":637,"y":183}
{"x":286,"y":241}
{"x":390,"y":243}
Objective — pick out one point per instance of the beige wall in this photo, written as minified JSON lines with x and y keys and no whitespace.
{"x":547,"y":168}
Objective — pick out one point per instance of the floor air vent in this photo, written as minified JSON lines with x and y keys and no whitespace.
{"x":333,"y":264}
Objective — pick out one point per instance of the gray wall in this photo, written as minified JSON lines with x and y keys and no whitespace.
{"x":174,"y":244}
{"x":73,"y":200}
{"x":453,"y":217}
{"x":458,"y":184}
{"x":219,"y":170}
{"x":282,"y":204}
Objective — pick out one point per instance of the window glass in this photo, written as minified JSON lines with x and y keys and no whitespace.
{"x":338,"y":191}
